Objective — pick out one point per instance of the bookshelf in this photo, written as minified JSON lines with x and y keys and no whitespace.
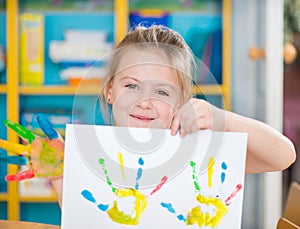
{"x":2,"y":89}
{"x":58,"y":90}
{"x":3,"y":197}
{"x":14,"y":92}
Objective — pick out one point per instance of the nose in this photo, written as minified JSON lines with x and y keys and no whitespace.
{"x":145,"y":103}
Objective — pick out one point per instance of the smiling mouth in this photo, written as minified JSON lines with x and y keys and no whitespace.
{"x":142,"y":118}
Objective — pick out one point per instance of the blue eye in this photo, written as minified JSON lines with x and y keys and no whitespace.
{"x":132,"y":86}
{"x":162,"y":92}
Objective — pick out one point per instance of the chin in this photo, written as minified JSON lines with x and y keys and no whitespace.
{"x":140,"y":125}
{"x":152,"y":125}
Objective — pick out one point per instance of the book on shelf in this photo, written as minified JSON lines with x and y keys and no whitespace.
{"x":31,"y":49}
{"x":83,"y":55}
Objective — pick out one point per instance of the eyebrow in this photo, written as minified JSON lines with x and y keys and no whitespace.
{"x":129,"y":77}
{"x":170,"y":85}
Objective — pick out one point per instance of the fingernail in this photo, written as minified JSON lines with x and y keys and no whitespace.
{"x":20,"y":176}
{"x":46,"y":126}
{"x":182,"y":133}
{"x":20,"y":130}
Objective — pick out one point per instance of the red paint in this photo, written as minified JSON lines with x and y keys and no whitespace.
{"x":237,"y":189}
{"x":162,"y":182}
{"x":20,"y":176}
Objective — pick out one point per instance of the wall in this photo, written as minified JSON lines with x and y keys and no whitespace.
{"x":247,"y":87}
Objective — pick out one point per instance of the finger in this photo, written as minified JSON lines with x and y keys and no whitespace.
{"x":20,"y":176}
{"x":186,"y":121}
{"x":200,"y":124}
{"x":14,"y":147}
{"x":193,"y":116}
{"x":46,"y":127}
{"x":183,"y":133}
{"x":175,"y":124}
{"x":186,"y":125}
{"x":16,"y":160}
{"x":20,"y":130}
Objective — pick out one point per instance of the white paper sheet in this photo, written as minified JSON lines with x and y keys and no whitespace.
{"x":117,"y":177}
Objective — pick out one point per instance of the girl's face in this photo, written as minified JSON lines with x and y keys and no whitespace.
{"x":145,"y":91}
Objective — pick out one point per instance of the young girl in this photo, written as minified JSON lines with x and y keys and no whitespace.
{"x":149,"y":84}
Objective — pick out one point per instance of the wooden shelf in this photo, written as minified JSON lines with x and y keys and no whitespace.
{"x":209,"y":89}
{"x":59,"y":90}
{"x":37,"y":199}
{"x":3,"y":88}
{"x":14,"y":90}
{"x":3,"y":197}
{"x":95,"y":90}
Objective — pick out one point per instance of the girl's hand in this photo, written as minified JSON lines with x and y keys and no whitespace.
{"x":197,"y":114}
{"x":43,"y":156}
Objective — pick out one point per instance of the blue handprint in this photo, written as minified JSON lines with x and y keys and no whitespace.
{"x":141,"y":200}
{"x":196,"y":215}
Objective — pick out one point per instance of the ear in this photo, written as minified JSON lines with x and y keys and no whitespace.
{"x":108,"y":91}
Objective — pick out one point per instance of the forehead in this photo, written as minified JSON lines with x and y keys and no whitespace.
{"x":146,"y":65}
{"x":136,"y":56}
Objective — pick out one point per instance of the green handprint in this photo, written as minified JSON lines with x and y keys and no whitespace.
{"x":140,"y":203}
{"x":196,"y":215}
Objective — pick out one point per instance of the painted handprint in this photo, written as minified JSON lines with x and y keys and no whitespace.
{"x":196,"y":215}
{"x":43,"y":156}
{"x":141,"y":200}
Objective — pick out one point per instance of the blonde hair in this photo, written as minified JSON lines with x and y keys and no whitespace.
{"x":166,"y":40}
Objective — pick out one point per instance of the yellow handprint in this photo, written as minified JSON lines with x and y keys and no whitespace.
{"x":196,"y":215}
{"x":141,"y":201}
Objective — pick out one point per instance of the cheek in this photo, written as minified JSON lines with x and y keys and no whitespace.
{"x":166,"y":113}
{"x":123,"y":102}
{"x":123,"y":98}
{"x":121,"y":107}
